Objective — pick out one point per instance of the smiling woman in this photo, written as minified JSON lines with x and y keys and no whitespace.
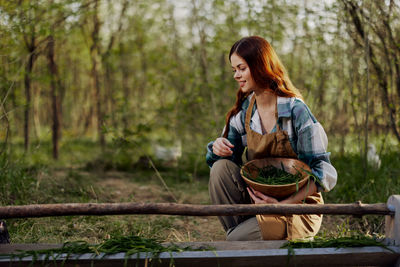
{"x":242,"y":73}
{"x":268,"y":120}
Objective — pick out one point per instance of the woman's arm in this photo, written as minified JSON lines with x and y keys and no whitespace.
{"x":228,"y":148}
{"x":311,"y":146}
{"x":222,"y":147}
{"x":298,"y":197}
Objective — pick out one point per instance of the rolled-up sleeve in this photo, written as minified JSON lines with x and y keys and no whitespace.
{"x":312,"y":144}
{"x":235,"y":137}
{"x":210,"y":156}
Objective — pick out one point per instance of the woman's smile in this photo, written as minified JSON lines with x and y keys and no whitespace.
{"x":242,"y":73}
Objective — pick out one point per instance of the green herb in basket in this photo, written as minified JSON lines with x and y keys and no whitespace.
{"x":271,"y":175}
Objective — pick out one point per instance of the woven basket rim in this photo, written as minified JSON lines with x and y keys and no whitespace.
{"x":270,"y":185}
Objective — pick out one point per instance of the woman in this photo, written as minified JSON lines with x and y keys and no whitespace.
{"x":269,"y":119}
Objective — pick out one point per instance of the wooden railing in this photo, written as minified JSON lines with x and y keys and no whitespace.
{"x":45,"y":210}
{"x":391,"y":209}
{"x":250,"y":253}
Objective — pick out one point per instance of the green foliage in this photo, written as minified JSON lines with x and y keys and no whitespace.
{"x":353,"y":185}
{"x":271,"y":175}
{"x":17,"y":182}
{"x":73,"y":152}
{"x":129,"y":245}
{"x":165,"y":78}
{"x":338,"y":242}
{"x":127,"y":150}
{"x":164,"y":65}
{"x":93,"y":229}
{"x":28,"y":183}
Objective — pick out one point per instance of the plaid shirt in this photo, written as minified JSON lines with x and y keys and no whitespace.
{"x":306,"y":136}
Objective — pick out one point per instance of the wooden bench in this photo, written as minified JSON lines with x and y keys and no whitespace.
{"x":247,"y":253}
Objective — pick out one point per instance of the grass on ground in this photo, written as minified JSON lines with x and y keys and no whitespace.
{"x":82,"y":175}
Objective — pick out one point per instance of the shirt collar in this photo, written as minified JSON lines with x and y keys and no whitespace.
{"x":284,"y":106}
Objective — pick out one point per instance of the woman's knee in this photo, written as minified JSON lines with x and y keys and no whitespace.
{"x":221,"y":170}
{"x":246,"y":231}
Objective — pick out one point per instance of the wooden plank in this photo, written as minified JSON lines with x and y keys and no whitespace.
{"x":11,"y":248}
{"x":234,"y":245}
{"x":392,"y":222}
{"x":67,"y":209}
{"x":366,"y":256}
{"x":217,"y":245}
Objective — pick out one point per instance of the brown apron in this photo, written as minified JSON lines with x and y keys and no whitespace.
{"x":277,"y":144}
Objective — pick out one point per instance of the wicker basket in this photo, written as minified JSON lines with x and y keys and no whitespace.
{"x":292,"y":166}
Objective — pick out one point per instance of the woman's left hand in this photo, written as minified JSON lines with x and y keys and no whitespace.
{"x":260,"y":198}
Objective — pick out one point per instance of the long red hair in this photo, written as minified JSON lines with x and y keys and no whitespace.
{"x":266,"y":70}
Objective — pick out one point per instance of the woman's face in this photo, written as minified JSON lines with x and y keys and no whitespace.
{"x":242,"y":74}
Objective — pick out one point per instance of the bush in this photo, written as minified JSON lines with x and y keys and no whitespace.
{"x":376,"y":186}
{"x":17,"y":182}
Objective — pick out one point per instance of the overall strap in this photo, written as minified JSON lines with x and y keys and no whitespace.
{"x":248,"y":114}
{"x":278,"y":128}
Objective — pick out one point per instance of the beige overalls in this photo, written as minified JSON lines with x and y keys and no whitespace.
{"x":277,"y":144}
{"x":226,"y":186}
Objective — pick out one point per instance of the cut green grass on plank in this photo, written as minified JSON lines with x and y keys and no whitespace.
{"x":129,"y":245}
{"x":338,"y":242}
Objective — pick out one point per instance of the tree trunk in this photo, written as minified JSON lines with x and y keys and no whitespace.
{"x":203,"y":59}
{"x":27,"y":82}
{"x":125,"y":86}
{"x":140,"y":42}
{"x":95,"y":58}
{"x":353,"y":10}
{"x":35,"y":110}
{"x":366,"y":54}
{"x":55,"y":99}
{"x":109,"y":99}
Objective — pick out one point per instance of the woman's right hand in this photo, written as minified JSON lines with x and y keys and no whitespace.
{"x":222,"y":147}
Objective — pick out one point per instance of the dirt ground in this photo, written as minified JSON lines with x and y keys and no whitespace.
{"x":121,"y":188}
{"x":114,"y":186}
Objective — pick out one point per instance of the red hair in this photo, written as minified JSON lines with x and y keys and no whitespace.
{"x":266,"y":70}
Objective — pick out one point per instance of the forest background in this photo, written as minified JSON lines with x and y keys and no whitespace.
{"x":93,"y":86}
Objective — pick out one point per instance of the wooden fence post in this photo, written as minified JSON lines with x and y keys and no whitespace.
{"x":392,"y":222}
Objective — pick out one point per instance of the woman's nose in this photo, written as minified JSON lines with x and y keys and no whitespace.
{"x":236,"y":75}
